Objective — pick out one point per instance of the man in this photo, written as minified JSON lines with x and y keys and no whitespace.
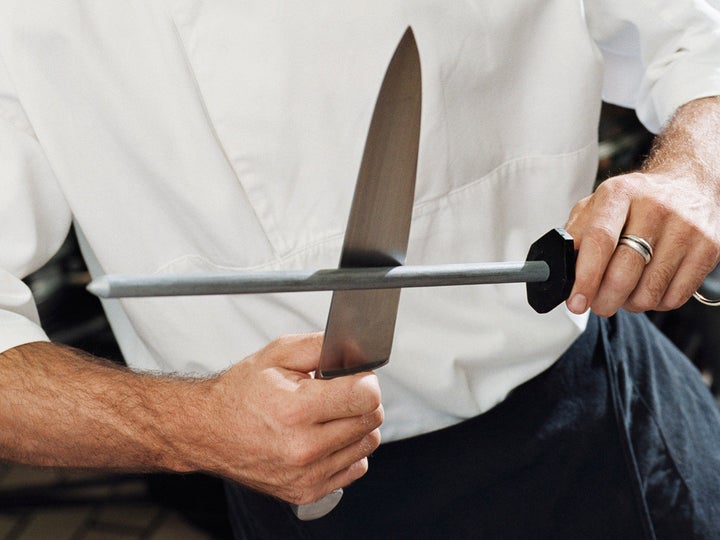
{"x":190,"y":135}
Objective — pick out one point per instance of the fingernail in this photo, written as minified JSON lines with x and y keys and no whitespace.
{"x":577,"y":304}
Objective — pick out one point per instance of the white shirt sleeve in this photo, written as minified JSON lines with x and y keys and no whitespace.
{"x":34,"y":218}
{"x":658,"y":54}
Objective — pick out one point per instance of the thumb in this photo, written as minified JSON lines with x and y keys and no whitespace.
{"x":296,"y":352}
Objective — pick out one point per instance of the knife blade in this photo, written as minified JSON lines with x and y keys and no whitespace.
{"x":361,"y":323}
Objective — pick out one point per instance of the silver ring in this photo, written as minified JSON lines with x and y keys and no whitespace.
{"x":704,"y":300}
{"x":638,"y":244}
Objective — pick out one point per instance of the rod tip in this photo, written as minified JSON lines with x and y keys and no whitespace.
{"x":100,"y":287}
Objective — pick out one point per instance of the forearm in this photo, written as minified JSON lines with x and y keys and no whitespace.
{"x":690,"y":145}
{"x":265,"y":422}
{"x":61,"y":407}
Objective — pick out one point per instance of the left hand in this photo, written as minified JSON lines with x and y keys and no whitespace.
{"x":674,"y":212}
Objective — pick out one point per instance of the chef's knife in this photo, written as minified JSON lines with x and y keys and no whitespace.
{"x":361,"y":323}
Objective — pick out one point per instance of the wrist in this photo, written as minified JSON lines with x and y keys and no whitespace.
{"x":186,"y":437}
{"x":689,"y":147}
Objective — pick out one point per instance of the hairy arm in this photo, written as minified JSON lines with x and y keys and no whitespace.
{"x":673,"y":202}
{"x":265,"y":423}
{"x":62,"y":407}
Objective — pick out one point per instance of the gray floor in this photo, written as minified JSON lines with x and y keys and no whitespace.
{"x":46,"y":504}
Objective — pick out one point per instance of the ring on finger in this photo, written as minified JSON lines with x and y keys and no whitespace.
{"x":640,"y":245}
{"x":704,"y":300}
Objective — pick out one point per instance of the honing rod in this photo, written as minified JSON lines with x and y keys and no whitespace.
{"x":548,"y":272}
{"x":392,"y":277}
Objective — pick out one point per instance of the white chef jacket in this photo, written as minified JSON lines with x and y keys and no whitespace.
{"x":192,"y":135}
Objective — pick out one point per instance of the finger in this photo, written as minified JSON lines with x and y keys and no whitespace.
{"x":354,"y":452}
{"x":350,"y":463}
{"x":331,"y":448}
{"x":595,"y":250}
{"x":338,"y":434}
{"x":326,"y":485}
{"x":657,"y":276}
{"x":342,"y":397}
{"x":620,"y":279}
{"x":349,"y":474}
{"x":296,"y":352}
{"x":688,"y":277}
{"x":336,"y":470}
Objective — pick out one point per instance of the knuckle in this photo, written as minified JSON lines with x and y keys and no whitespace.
{"x":604,"y":311}
{"x":312,"y":491}
{"x":293,"y":487}
{"x":358,"y":469}
{"x":304,"y":495}
{"x":662,"y":210}
{"x":671,"y":301}
{"x":709,"y":256}
{"x":365,"y":395}
{"x":275,"y":345}
{"x":603,"y":306}
{"x":675,"y":297}
{"x":658,"y":280}
{"x":295,"y":496}
{"x":374,"y":400}
{"x":372,"y":441}
{"x":599,"y":236}
{"x":618,"y":279}
{"x":295,"y":414}
{"x":639,"y":303}
{"x":312,"y":496}
{"x":632,"y":307}
{"x":355,"y":407}
{"x":374,"y":419}
{"x":270,"y":354}
{"x":650,"y":295}
{"x":587,"y":281}
{"x":302,"y":455}
{"x":308,"y":344}
{"x":577,"y":209}
{"x":618,"y":186}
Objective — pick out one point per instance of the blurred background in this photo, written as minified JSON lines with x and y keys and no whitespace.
{"x":38,"y":503}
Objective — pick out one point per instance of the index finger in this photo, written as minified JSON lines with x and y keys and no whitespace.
{"x":343,"y":397}
{"x":596,"y":233}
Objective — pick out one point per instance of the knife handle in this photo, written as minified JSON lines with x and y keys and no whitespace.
{"x":319,"y":508}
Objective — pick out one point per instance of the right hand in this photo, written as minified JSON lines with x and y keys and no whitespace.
{"x":280,"y":431}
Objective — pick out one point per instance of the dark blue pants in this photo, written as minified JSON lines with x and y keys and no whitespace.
{"x":618,"y":439}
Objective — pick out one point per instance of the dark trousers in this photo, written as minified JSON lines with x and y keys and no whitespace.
{"x":618,"y":439}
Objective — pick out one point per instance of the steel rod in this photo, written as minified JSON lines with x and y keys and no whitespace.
{"x":127,"y":285}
